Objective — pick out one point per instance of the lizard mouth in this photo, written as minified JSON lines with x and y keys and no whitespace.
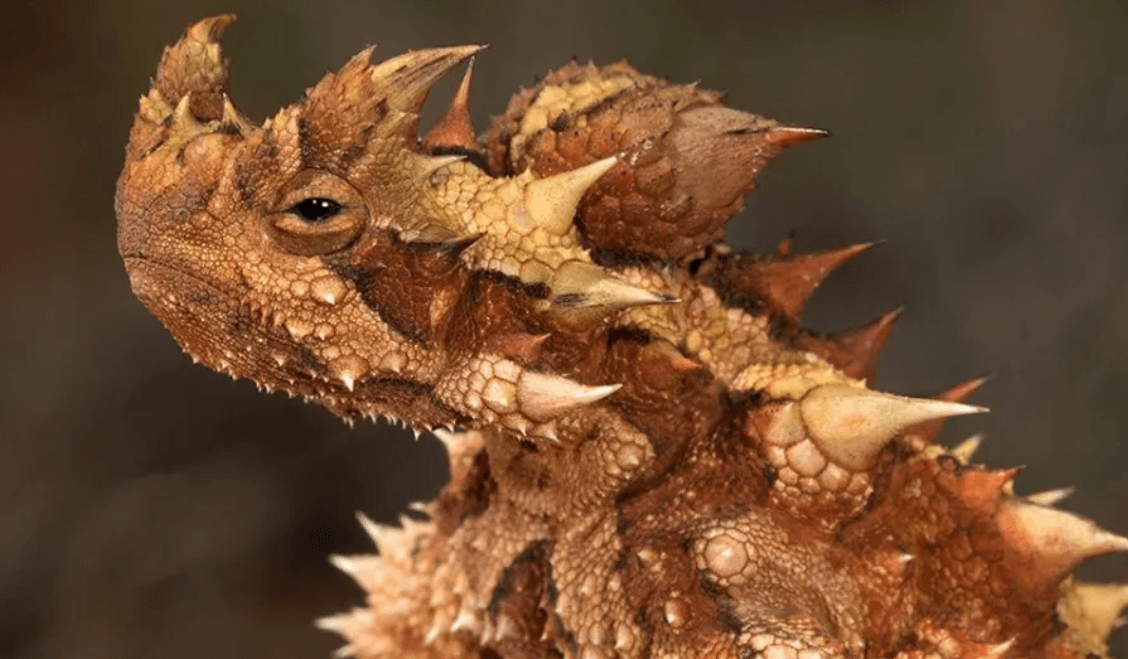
{"x":196,"y":311}
{"x":154,"y":282}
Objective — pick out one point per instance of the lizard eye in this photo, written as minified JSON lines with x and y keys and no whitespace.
{"x":317,"y":213}
{"x":316,"y":209}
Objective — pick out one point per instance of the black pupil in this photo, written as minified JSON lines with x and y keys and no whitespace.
{"x":316,"y":209}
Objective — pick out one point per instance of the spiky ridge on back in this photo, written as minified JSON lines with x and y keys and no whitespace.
{"x":657,"y":460}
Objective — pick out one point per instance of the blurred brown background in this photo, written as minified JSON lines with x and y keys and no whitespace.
{"x":149,"y":508}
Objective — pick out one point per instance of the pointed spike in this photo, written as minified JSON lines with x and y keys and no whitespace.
{"x":1051,"y":497}
{"x":183,"y":121}
{"x":431,"y":233}
{"x":786,"y":285}
{"x":963,"y":389}
{"x":728,"y":148}
{"x":929,"y":431}
{"x":230,"y":114}
{"x":783,"y":137}
{"x":852,"y":425}
{"x":210,"y":29}
{"x":673,"y":356}
{"x":518,"y":424}
{"x":965,"y":450}
{"x":854,"y":352}
{"x":783,"y":249}
{"x":997,"y":651}
{"x":548,"y":431}
{"x":517,"y":345}
{"x":232,"y":117}
{"x":428,"y":165}
{"x":344,"y":564}
{"x":455,"y":247}
{"x":377,"y":532}
{"x":336,"y":624}
{"x":455,"y":129}
{"x":578,"y":285}
{"x":685,"y":365}
{"x":543,"y":397}
{"x":358,"y":63}
{"x":407,"y":78}
{"x":422,"y":507}
{"x":982,"y":489}
{"x":1054,"y":541}
{"x":552,"y":201}
{"x":433,"y":633}
{"x":450,"y":248}
{"x":438,"y":248}
{"x":465,"y":620}
{"x":407,"y":523}
{"x":459,"y":447}
{"x":488,"y":632}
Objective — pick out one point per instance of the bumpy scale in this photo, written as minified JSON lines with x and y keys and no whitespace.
{"x":654,"y":460}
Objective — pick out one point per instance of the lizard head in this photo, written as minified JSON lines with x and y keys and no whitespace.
{"x":290,"y":233}
{"x":331,"y":253}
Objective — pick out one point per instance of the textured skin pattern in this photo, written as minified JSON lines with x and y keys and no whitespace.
{"x":654,"y":459}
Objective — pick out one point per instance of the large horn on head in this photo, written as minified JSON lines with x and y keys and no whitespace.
{"x":195,"y":65}
{"x":190,"y":86}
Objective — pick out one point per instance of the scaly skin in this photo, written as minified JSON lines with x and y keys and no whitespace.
{"x":655,"y":460}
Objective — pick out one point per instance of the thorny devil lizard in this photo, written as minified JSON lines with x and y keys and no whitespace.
{"x":654,"y":459}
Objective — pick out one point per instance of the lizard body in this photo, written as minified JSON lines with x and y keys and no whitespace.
{"x":654,"y":458}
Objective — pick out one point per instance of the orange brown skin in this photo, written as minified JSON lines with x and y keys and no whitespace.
{"x":656,"y":461}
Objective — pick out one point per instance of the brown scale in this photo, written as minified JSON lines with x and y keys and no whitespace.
{"x":404,"y":282}
{"x":943,"y":515}
{"x":650,"y":380}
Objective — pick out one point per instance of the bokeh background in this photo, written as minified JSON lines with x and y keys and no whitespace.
{"x":149,"y":508}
